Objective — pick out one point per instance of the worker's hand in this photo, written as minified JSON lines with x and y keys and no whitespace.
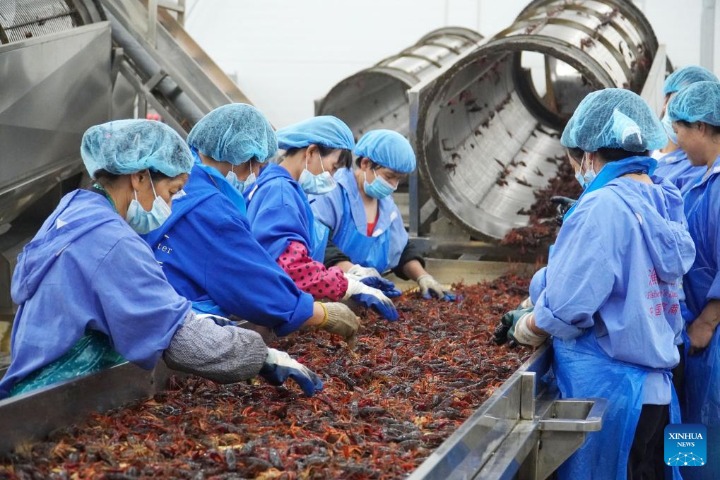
{"x":526,"y":333}
{"x":370,"y":277}
{"x":278,"y":367}
{"x":429,"y":288}
{"x":563,"y":205}
{"x":341,"y":321}
{"x":700,"y":333}
{"x":513,"y":328}
{"x":371,"y":297}
{"x":383,"y":284}
{"x":359,"y":272}
{"x":527,"y":303}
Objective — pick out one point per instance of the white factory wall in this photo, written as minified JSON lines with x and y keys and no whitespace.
{"x":284,"y":54}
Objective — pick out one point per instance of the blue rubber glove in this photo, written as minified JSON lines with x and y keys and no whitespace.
{"x":371,"y":298}
{"x":278,"y":367}
{"x":383,"y":284}
{"x":429,"y":288}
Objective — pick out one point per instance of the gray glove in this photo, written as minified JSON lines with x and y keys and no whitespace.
{"x":341,"y":321}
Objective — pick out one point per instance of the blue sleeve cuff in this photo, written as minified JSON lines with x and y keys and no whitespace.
{"x":537,"y":284}
{"x":714,"y":291}
{"x":545,"y":320}
{"x":303,"y":311}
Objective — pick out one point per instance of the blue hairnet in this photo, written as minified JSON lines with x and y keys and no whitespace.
{"x":700,"y":102}
{"x":234,"y":133}
{"x":130,"y":146}
{"x":387,"y":148}
{"x":685,"y":76}
{"x":325,"y":130}
{"x":614,"y":118}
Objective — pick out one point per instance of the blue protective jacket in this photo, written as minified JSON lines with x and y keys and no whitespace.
{"x":702,"y":284}
{"x":210,"y":256}
{"x":87,"y":270}
{"x":610,"y":297}
{"x":279,"y":213}
{"x":676,"y":168}
{"x":342,"y":212}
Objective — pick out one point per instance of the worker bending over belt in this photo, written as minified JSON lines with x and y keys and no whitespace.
{"x":206,"y":247}
{"x":91,"y":294}
{"x":282,"y":220}
{"x":363,"y":223}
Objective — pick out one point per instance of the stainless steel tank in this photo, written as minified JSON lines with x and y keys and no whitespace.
{"x":376,"y":97}
{"x":487,"y":129}
{"x":55,"y":72}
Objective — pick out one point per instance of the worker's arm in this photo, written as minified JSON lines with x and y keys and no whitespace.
{"x":703,"y":328}
{"x":224,"y":354}
{"x":412,"y":264}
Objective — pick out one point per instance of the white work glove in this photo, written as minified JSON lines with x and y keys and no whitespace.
{"x":527,"y":303}
{"x":341,"y":321}
{"x":371,"y":297}
{"x":358,"y":272}
{"x":278,"y":367}
{"x":429,"y":287}
{"x":523,"y":334}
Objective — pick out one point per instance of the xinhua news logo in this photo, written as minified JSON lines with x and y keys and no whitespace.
{"x":685,"y":445}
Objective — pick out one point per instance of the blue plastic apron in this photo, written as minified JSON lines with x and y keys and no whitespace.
{"x":584,"y":370}
{"x":362,"y":250}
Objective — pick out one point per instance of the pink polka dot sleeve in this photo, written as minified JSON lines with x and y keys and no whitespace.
{"x":311,"y":276}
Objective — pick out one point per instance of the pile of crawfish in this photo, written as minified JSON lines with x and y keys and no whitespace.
{"x":384,"y":407}
{"x":543,"y":226}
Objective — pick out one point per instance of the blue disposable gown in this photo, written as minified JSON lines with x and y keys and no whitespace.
{"x":676,"y":168}
{"x":609,"y":296}
{"x":86,"y":269}
{"x":702,"y":284}
{"x":279,"y":213}
{"x":342,"y":212}
{"x":210,"y":256}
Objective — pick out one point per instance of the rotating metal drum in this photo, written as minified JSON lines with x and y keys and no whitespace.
{"x":376,"y":97}
{"x":488,"y":128}
{"x":22,"y":20}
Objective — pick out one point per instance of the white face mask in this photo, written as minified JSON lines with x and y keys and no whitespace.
{"x":143,"y":221}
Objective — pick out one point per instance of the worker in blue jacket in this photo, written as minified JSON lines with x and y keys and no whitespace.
{"x":282,"y":220}
{"x":363,"y":223}
{"x":206,"y":247}
{"x":673,"y":164}
{"x":90,"y":294}
{"x":695,"y":113}
{"x":609,"y":295}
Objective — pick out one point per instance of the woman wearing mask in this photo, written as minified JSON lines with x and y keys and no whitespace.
{"x":206,"y":247}
{"x":362,"y":220}
{"x":609,"y":295}
{"x":695,"y":113}
{"x":91,"y":294}
{"x":673,"y":163}
{"x":282,"y":220}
